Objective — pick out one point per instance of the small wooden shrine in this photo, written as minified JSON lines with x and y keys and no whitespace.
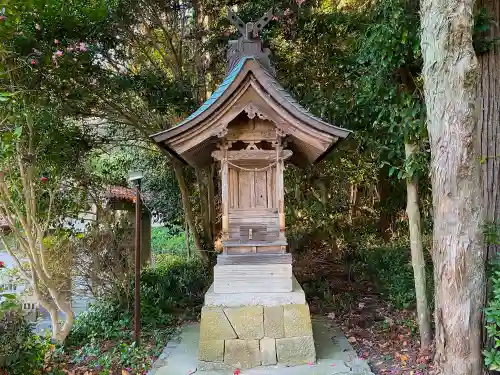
{"x":255,"y":313}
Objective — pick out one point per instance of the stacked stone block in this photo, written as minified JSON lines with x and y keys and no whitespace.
{"x":251,"y":336}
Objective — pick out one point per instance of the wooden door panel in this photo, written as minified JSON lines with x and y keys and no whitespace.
{"x":261,"y":189}
{"x":245,"y":189}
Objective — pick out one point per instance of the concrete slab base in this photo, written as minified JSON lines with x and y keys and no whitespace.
{"x":335,"y":356}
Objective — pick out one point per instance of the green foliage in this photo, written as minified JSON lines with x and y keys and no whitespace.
{"x":104,"y":320}
{"x":21,"y":351}
{"x":175,"y":285}
{"x":492,"y":315}
{"x":171,"y":290}
{"x":390,"y":267}
{"x":169,"y":240}
{"x":107,"y":322}
{"x":483,"y":23}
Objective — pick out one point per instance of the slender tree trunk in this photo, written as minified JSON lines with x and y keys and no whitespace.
{"x":417,"y":256}
{"x":188,"y":209}
{"x":384,"y":191}
{"x":354,"y":200}
{"x":205,"y":210}
{"x":211,"y":200}
{"x":200,"y":22}
{"x":450,"y":78}
{"x":188,"y":245}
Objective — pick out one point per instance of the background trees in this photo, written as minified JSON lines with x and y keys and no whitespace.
{"x":99,"y":77}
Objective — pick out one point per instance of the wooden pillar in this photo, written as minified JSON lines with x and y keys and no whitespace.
{"x":225,"y":194}
{"x":280,"y":196}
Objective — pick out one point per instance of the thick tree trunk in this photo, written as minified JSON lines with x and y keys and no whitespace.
{"x":450,"y":78}
{"x":488,"y":127}
{"x":417,"y":256}
{"x":489,"y":120}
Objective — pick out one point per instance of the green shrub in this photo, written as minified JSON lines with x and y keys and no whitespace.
{"x":21,"y":351}
{"x":492,"y":315}
{"x":390,"y":267}
{"x":170,"y":290}
{"x":169,"y":240}
{"x":175,"y":285}
{"x":104,"y":320}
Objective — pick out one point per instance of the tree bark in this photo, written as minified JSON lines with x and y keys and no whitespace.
{"x":200,"y":27}
{"x":354,"y":202}
{"x":211,"y":200}
{"x":384,"y":218}
{"x":450,"y":78}
{"x":489,"y":120}
{"x":488,"y":125}
{"x":205,"y":210}
{"x":188,"y":209}
{"x":417,"y":255}
{"x":188,"y":245}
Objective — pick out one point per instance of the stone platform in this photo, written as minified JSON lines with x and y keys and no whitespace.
{"x":335,"y":356}
{"x":249,"y":336}
{"x":249,"y":329}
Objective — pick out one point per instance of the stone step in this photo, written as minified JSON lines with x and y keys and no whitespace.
{"x":252,"y":259}
{"x":250,"y":278}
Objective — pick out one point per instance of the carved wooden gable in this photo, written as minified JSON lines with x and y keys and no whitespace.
{"x":250,"y":89}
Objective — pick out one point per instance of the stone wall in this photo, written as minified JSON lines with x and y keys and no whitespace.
{"x":251,"y":336}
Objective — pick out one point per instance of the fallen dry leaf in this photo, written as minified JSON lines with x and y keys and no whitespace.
{"x":352,"y":339}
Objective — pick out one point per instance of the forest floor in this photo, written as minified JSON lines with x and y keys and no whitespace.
{"x":384,"y":336}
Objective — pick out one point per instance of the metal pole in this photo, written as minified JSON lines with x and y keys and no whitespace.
{"x":137,"y":302}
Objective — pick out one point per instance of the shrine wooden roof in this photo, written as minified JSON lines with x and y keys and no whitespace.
{"x":249,"y":84}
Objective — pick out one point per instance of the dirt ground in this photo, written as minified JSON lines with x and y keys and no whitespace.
{"x":386,"y":337}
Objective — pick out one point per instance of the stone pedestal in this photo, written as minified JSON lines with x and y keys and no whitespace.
{"x":250,"y":329}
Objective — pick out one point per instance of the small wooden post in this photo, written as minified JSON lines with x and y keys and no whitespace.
{"x":279,"y":189}
{"x":225,"y":194}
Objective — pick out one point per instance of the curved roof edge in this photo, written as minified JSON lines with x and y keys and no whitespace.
{"x":276,"y":90}
{"x":228,"y":80}
{"x":249,"y":65}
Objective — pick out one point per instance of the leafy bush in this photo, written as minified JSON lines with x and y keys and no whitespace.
{"x":175,"y":285}
{"x":21,"y":351}
{"x":390,"y":267}
{"x":101,"y":337}
{"x":169,"y":240}
{"x":492,"y":314}
{"x":104,"y":320}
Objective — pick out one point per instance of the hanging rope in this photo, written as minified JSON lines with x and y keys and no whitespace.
{"x":252,"y":169}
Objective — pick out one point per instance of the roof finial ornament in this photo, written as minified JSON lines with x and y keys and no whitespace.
{"x":250,"y":30}
{"x":249,"y":44}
